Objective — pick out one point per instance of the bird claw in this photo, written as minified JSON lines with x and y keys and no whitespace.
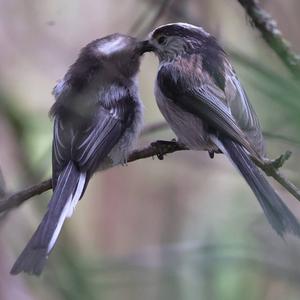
{"x":211,"y":154}
{"x":163,"y":147}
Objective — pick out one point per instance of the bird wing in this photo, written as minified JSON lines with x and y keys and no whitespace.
{"x":89,"y":141}
{"x":108,"y":126}
{"x":202,"y":100}
{"x":243,"y":112}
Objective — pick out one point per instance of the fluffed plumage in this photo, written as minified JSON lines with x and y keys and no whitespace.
{"x":97,"y":117}
{"x":204,"y":103}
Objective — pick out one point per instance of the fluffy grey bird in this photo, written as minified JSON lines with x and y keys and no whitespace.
{"x":97,"y":117}
{"x":200,"y":96}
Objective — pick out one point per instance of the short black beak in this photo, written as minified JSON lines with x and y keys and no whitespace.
{"x":145,"y":46}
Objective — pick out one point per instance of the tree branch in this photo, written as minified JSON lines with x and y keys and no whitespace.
{"x":159,"y":149}
{"x":271,"y":168}
{"x":17,"y":199}
{"x":264,"y":22}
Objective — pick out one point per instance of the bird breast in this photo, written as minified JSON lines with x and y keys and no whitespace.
{"x":188,"y":128}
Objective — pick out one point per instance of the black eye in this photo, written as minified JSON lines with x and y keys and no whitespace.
{"x":161,"y":40}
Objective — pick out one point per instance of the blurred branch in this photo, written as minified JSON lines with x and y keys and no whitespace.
{"x":163,"y":7}
{"x":152,"y":128}
{"x":280,"y":137}
{"x":202,"y":254}
{"x":20,"y":121}
{"x":263,"y":21}
{"x":160,"y":12}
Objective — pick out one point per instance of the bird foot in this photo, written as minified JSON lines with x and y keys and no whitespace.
{"x":164,"y":147}
{"x":212,"y":153}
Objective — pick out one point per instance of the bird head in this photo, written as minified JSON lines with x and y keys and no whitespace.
{"x":175,"y":39}
{"x":119,"y":54}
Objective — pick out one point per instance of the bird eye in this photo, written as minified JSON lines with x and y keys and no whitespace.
{"x":161,"y":40}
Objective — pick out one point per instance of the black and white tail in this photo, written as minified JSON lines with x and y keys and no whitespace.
{"x":279,"y":216}
{"x":69,"y":188}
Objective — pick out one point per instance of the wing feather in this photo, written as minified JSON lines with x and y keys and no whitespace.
{"x":92,"y":138}
{"x":202,"y":101}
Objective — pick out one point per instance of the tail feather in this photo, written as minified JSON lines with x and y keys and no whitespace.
{"x":279,"y":216}
{"x":67,"y":193}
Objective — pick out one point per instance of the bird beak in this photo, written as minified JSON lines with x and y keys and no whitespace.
{"x":145,"y":46}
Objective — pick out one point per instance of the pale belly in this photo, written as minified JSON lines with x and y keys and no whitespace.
{"x":188,"y":128}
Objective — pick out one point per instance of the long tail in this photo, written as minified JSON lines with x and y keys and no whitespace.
{"x":277,"y":213}
{"x":68,"y":191}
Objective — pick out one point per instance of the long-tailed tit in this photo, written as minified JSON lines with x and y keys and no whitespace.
{"x":201,"y":98}
{"x":97,"y":118}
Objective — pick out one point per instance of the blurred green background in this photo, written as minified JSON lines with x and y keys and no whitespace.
{"x":187,"y":227}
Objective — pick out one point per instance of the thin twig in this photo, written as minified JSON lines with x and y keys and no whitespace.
{"x":154,"y":149}
{"x":152,"y":128}
{"x":271,"y":168}
{"x":264,"y":22}
{"x":17,"y":199}
{"x":135,"y":28}
{"x":287,"y":139}
{"x":289,"y":186}
{"x":160,"y":12}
